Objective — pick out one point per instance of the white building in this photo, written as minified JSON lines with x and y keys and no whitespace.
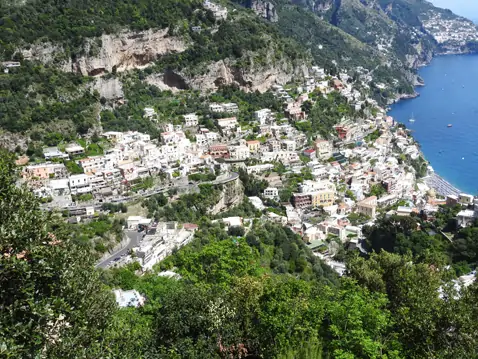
{"x":465,"y":218}
{"x":150,"y":113}
{"x":155,"y":247}
{"x":282,"y":156}
{"x":134,"y":221}
{"x":92,"y":164}
{"x":465,"y":198}
{"x":114,"y":136}
{"x":128,"y":170}
{"x":263,"y":115}
{"x":191,"y":120}
{"x":271,"y":192}
{"x":257,"y":203}
{"x":227,"y":123}
{"x":79,"y":184}
{"x":289,"y":145}
{"x":74,"y":149}
{"x":128,"y":298}
{"x":239,"y":152}
{"x":220,"y":12}
{"x":172,"y":137}
{"x":60,"y":187}
{"x":224,"y":107}
{"x":53,"y":152}
{"x":323,"y":149}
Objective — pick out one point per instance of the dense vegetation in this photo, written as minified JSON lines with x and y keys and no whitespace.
{"x":243,"y":38}
{"x":262,"y":294}
{"x":97,"y":235}
{"x":53,"y":304}
{"x":171,"y":107}
{"x":190,"y":207}
{"x":426,"y":241}
{"x":266,"y":296}
{"x":70,"y":22}
{"x":255,"y":292}
{"x":326,"y":112}
{"x":42,"y":97}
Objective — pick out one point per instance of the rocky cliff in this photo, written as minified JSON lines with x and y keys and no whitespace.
{"x":265,"y":9}
{"x":109,"y":53}
{"x":110,"y":89}
{"x":12,"y":141}
{"x":130,"y":50}
{"x":210,"y":76}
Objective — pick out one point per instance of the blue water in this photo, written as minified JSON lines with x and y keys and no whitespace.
{"x":450,"y":96}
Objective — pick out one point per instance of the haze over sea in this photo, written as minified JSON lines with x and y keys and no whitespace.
{"x":450,"y":96}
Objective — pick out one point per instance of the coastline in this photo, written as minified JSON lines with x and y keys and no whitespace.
{"x":404,"y":97}
{"x":433,"y":180}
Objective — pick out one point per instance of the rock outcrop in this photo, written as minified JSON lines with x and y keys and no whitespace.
{"x":11,"y":141}
{"x":248,"y":79}
{"x":265,"y":9}
{"x":110,"y":89}
{"x":114,"y":52}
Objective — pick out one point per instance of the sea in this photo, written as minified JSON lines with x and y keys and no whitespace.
{"x":449,"y":97}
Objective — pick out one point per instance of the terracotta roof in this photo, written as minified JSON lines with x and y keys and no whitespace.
{"x":190,"y":226}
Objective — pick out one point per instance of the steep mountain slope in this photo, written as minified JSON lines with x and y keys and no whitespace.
{"x":102,"y":44}
{"x":94,"y":38}
{"x":407,"y":28}
{"x":190,"y":45}
{"x":395,"y":36}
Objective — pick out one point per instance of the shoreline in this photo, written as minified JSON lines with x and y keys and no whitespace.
{"x":441,"y":185}
{"x":437,"y":182}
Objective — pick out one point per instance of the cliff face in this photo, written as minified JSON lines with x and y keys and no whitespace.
{"x":110,"y":89}
{"x":119,"y":52}
{"x":225,"y":72}
{"x":254,"y":78}
{"x":265,"y":9}
{"x":11,"y":141}
{"x":128,"y":50}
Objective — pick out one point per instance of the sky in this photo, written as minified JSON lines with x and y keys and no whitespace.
{"x":466,"y":8}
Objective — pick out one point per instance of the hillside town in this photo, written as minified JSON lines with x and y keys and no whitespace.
{"x":451,"y":33}
{"x":369,"y":165}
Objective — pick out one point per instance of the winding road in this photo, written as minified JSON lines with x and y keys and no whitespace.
{"x":233,"y":176}
{"x":134,"y":237}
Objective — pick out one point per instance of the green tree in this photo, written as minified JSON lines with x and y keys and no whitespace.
{"x":430,"y":319}
{"x":53,"y":304}
{"x":359,"y":324}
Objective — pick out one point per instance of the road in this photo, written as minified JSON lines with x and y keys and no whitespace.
{"x":134,"y":238}
{"x":233,"y":176}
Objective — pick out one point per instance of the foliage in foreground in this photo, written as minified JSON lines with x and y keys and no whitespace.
{"x":263,"y":295}
{"x":52,"y":303}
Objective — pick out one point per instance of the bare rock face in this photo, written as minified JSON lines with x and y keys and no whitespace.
{"x":265,"y":9}
{"x":254,"y":79}
{"x":222,"y":73}
{"x":11,"y":141}
{"x":168,"y":81}
{"x":115,"y":52}
{"x":47,"y":53}
{"x":127,"y":50}
{"x":110,"y":89}
{"x":132,"y":50}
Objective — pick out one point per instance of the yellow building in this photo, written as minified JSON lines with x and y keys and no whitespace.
{"x":254,"y":146}
{"x":368,"y":206}
{"x":323,"y":198}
